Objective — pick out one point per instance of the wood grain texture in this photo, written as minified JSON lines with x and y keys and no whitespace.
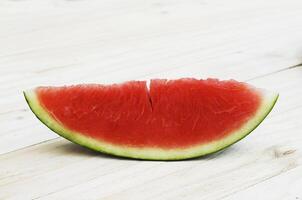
{"x":57,"y":42}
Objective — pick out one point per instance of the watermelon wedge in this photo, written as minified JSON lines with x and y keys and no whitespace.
{"x":169,"y":120}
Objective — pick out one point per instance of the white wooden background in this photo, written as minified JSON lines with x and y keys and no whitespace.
{"x":55,"y":42}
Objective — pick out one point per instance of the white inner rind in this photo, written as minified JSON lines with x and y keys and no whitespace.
{"x":268,"y":101}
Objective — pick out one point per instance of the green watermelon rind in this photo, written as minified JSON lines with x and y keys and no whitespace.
{"x":268,"y":102}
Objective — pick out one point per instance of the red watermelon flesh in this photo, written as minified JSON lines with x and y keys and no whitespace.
{"x":172,"y":114}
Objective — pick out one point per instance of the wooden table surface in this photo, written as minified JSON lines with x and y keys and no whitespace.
{"x":55,"y":42}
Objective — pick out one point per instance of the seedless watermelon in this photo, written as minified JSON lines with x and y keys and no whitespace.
{"x":170,"y":120}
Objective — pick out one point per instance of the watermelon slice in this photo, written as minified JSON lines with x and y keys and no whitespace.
{"x":169,"y":120}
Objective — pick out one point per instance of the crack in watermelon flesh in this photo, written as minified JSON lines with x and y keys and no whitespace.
{"x":171,"y":114}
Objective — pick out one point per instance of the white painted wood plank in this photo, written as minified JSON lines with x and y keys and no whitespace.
{"x":284,"y":187}
{"x":61,"y":170}
{"x":65,"y":42}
